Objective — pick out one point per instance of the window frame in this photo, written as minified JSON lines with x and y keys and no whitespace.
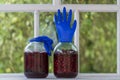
{"x":77,"y":8}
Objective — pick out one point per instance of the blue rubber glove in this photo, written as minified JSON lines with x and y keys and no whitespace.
{"x":63,"y":26}
{"x":47,"y":42}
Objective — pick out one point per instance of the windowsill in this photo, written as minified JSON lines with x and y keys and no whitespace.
{"x":20,"y":76}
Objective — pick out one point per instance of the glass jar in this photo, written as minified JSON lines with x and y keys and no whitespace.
{"x":35,"y":60}
{"x":65,"y":60}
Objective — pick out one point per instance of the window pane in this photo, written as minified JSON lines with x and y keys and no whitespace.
{"x":89,"y":1}
{"x":15,"y":30}
{"x":98,"y":42}
{"x":47,"y":28}
{"x":25,"y":1}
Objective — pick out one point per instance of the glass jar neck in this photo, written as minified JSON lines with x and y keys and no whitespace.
{"x":65,"y":46}
{"x":65,"y":43}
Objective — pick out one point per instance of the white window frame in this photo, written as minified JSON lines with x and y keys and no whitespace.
{"x":77,"y":8}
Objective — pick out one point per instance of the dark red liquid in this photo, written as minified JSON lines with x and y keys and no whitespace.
{"x":35,"y":64}
{"x":66,"y":64}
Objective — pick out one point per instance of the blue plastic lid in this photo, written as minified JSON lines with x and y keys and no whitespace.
{"x":47,"y":42}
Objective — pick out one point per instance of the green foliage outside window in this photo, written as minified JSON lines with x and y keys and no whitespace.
{"x":98,"y":42}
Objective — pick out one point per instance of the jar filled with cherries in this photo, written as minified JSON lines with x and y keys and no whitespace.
{"x":65,"y":60}
{"x":36,"y":57}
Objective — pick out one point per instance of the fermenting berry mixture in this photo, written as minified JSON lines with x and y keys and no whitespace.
{"x":36,"y":64}
{"x":66,"y":63}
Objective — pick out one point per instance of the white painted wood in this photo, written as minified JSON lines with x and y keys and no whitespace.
{"x":118,"y":39}
{"x":36,"y":23}
{"x":56,"y":2}
{"x":99,"y":76}
{"x":118,"y":42}
{"x":76,"y":36}
{"x":93,"y":7}
{"x":54,"y":8}
{"x":118,"y":2}
{"x":20,"y":76}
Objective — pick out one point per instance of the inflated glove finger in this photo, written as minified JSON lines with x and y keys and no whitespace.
{"x":64,"y":14}
{"x":59,"y":16}
{"x":74,"y":25}
{"x":69,"y":16}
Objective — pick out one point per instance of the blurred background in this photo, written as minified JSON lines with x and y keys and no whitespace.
{"x":97,"y":37}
